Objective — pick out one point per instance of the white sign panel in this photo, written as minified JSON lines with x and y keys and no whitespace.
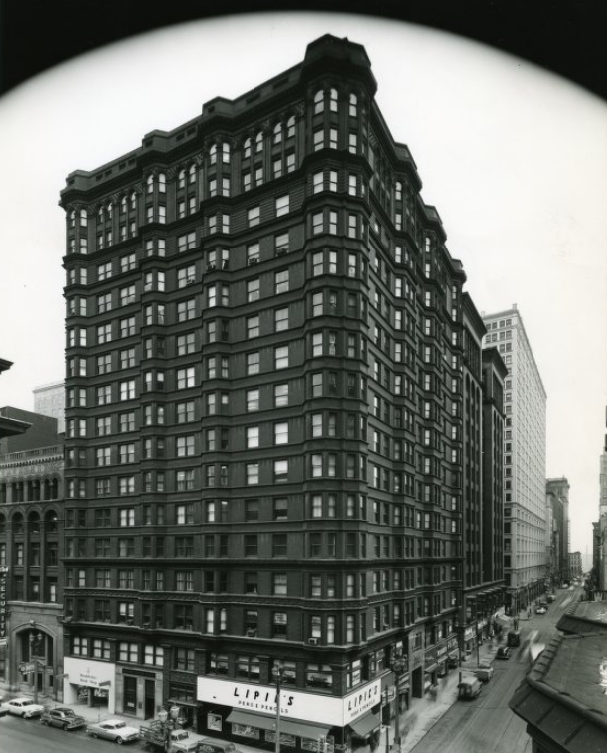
{"x":312,"y":707}
{"x":88,"y":673}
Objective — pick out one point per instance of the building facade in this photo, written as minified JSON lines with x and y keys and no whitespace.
{"x":482,"y":481}
{"x":557,"y":490}
{"x":267,"y":399}
{"x":31,"y":515}
{"x":524,"y":459}
{"x":601,"y":569}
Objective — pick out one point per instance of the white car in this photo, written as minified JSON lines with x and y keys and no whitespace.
{"x":23,"y":707}
{"x":115,"y":730}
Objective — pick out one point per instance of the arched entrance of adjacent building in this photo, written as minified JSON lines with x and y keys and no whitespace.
{"x":35,"y":659}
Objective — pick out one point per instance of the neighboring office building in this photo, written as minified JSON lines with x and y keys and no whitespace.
{"x":575,"y":565}
{"x":562,"y":699}
{"x":558,"y":491}
{"x":551,"y":544}
{"x":483,"y":482}
{"x":49,"y":400}
{"x":31,"y":517}
{"x":524,"y":461}
{"x":602,"y":552}
{"x":259,"y":302}
{"x":9,"y":427}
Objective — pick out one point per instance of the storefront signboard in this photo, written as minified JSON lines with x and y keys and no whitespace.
{"x":312,"y":707}
{"x":87,"y":673}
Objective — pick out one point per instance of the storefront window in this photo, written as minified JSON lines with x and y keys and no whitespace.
{"x":244,"y":731}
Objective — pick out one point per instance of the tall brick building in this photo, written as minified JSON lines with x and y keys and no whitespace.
{"x":271,"y":367}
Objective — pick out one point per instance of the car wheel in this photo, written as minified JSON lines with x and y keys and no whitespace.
{"x":119,"y":740}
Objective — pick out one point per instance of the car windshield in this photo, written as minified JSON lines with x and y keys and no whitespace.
{"x":27,"y":703}
{"x":119,"y":725}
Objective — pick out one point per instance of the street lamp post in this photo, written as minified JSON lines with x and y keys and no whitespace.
{"x":277,"y":672}
{"x":398,"y":667}
{"x":35,"y":639}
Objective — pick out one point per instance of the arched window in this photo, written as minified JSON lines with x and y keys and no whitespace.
{"x":133,"y":201}
{"x":213,"y":154}
{"x":278,"y":133}
{"x":55,"y":489}
{"x":123,"y":204}
{"x":333,"y":100}
{"x":398,"y":191}
{"x":192,"y":174}
{"x":181,"y":179}
{"x":100,"y":214}
{"x":247,"y":148}
{"x":73,"y":218}
{"x":291,"y":127}
{"x":150,"y":183}
{"x":162,"y":182}
{"x":259,"y":142}
{"x":225,"y":150}
{"x":352,"y":105}
{"x":109,"y":211}
{"x":83,"y":218}
{"x":319,"y":102}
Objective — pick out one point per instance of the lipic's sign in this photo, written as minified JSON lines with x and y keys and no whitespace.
{"x":311,"y":707}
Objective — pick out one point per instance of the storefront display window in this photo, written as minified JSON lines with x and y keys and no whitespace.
{"x":245,"y":731}
{"x":286,"y":740}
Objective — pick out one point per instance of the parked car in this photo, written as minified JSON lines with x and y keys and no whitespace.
{"x":113,"y":729}
{"x":452,"y":662}
{"x":469,"y":688}
{"x":550,"y":598}
{"x":23,"y":707}
{"x":503,"y":653}
{"x":62,"y":717}
{"x":540,"y":610}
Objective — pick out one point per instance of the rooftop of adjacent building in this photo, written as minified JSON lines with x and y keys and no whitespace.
{"x":564,"y":696}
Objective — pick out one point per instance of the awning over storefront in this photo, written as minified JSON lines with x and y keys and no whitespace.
{"x":454,"y":654}
{"x":365,"y":725}
{"x":289,"y":726}
{"x":430,"y":668}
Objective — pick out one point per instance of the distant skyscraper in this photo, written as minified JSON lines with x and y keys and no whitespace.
{"x":49,"y":400}
{"x":558,"y":490}
{"x":524,"y":458}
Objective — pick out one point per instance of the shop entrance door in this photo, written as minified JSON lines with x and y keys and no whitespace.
{"x":150,"y":699}
{"x":130,"y":695}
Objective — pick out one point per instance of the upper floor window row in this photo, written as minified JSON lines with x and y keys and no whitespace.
{"x":330,"y":98}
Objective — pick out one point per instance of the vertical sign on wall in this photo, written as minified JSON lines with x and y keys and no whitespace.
{"x":3,"y":635}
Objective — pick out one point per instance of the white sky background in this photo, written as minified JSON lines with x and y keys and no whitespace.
{"x":513,"y":157}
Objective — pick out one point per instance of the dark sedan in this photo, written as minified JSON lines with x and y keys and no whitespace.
{"x":503,"y":653}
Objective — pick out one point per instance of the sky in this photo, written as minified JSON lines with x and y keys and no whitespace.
{"x":513,"y":157}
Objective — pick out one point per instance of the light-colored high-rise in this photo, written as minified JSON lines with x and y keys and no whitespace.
{"x":524,"y":459}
